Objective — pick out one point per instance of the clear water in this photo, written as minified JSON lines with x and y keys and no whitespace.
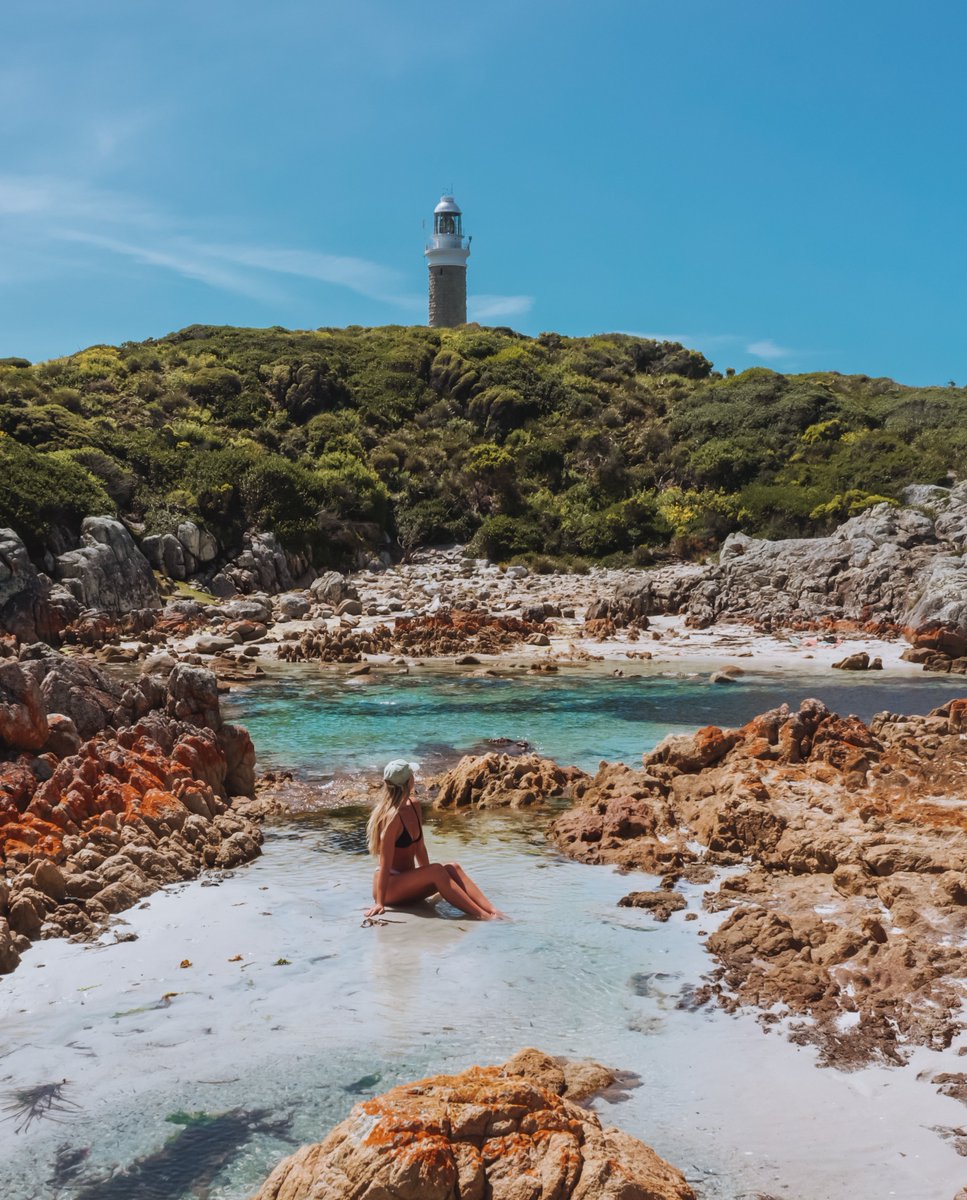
{"x":325,"y":723}
{"x":290,"y":1012}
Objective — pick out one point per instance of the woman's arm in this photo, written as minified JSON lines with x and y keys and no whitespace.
{"x":421,"y":854}
{"x":386,"y":849}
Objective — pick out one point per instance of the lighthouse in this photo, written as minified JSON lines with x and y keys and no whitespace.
{"x":446,"y":256}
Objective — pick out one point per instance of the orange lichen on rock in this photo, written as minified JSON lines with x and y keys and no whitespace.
{"x":120,"y":813}
{"x":440,"y":635}
{"x":490,"y":1131}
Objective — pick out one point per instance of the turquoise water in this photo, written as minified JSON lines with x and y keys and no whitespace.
{"x":325,"y":723}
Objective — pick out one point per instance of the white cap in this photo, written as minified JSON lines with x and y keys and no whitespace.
{"x":399,"y":772}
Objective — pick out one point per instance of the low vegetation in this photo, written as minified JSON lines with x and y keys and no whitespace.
{"x":610,"y":447}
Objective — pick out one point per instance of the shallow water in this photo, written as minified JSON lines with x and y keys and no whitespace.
{"x":318,"y":1012}
{"x":325,"y":722}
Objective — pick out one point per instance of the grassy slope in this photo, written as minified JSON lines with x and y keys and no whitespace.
{"x":594,"y":447}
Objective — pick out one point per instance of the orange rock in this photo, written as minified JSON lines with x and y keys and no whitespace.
{"x":826,"y":812}
{"x":481,"y":1133}
{"x":503,"y":781}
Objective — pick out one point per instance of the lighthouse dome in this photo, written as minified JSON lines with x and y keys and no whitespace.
{"x":448,"y":205}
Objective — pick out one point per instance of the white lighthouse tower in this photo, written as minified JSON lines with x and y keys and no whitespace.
{"x":446,"y":256}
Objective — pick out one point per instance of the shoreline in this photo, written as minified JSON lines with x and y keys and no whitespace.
{"x":675,"y":649}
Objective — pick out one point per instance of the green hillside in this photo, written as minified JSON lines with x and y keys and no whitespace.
{"x":608,"y":446}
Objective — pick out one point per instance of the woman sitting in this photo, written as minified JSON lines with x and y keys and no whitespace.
{"x":405,"y":873}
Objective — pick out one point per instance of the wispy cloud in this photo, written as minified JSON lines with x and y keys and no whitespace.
{"x":42,"y":198}
{"x":690,"y":339}
{"x":763,"y":348}
{"x":768,"y":349}
{"x":182,"y":259}
{"x":48,"y":210}
{"x":483,"y":307}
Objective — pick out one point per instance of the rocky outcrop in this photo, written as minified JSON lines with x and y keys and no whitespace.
{"x":262,"y":565}
{"x":939,"y":649}
{"x":897,"y":566}
{"x":495,"y":1132}
{"x":503,"y":781}
{"x":851,"y":907}
{"x":31,"y":607}
{"x":332,"y":588}
{"x":78,"y":689}
{"x":23,"y":717}
{"x":443,"y":634}
{"x":627,"y":608}
{"x":111,"y":794}
{"x":181,"y":553}
{"x":108,"y":572}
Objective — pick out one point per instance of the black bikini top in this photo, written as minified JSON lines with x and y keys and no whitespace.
{"x":405,"y":839}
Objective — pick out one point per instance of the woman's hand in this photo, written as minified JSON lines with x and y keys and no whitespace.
{"x":374,"y":911}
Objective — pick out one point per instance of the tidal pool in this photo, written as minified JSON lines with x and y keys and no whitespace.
{"x":324,"y":722}
{"x":263,"y":1003}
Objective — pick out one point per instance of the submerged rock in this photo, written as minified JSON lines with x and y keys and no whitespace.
{"x":505,"y":1133}
{"x":187,"y":1163}
{"x":660,"y":904}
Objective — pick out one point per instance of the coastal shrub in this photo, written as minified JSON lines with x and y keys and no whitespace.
{"x":726,"y":463}
{"x":430,"y":434}
{"x":116,"y":480}
{"x":302,"y":389}
{"x":779,"y":509}
{"x":431,"y":522}
{"x":848,"y":504}
{"x":501,"y":537}
{"x":452,"y":375}
{"x":350,"y":487}
{"x":38,"y":491}
{"x":45,"y":426}
{"x":497,"y":410}
{"x":690,"y":514}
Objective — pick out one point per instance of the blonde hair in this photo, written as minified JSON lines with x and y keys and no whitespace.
{"x":387,"y":807}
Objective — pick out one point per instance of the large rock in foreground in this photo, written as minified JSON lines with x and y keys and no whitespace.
{"x":490,"y":1133}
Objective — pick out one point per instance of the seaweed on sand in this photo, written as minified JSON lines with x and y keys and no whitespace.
{"x":44,"y":1101}
{"x":68,"y":1161}
{"x":187,"y":1163}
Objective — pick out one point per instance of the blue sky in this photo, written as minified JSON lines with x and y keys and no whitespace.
{"x":775,"y":182}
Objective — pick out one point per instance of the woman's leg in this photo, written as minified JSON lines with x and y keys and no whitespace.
{"x":460,"y":877}
{"x":424,"y":881}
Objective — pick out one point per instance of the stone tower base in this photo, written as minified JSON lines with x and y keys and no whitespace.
{"x":448,"y":296}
